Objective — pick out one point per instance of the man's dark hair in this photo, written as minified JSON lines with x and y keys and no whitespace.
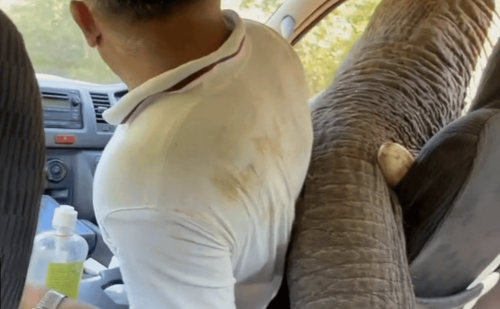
{"x":143,"y":9}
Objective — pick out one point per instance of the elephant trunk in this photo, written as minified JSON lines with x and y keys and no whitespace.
{"x":405,"y":79}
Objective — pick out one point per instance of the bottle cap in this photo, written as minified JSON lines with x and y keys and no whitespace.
{"x":65,"y":218}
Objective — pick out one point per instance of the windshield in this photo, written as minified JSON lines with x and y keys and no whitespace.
{"x":56,"y":45}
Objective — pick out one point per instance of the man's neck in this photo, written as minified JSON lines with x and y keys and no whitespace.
{"x":158,"y":47}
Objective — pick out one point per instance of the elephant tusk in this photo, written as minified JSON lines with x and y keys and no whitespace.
{"x":394,"y":161}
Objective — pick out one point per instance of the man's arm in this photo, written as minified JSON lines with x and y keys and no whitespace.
{"x":167,"y":260}
{"x":173,"y":259}
{"x":74,"y":304}
{"x":32,"y":296}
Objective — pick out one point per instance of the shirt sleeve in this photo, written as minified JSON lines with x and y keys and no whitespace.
{"x":170,"y":261}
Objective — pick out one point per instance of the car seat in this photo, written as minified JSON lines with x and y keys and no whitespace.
{"x":451,"y":204}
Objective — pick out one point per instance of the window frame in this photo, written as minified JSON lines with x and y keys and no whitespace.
{"x":306,"y":14}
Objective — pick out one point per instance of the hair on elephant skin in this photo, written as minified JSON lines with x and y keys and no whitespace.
{"x":404,"y":80}
{"x":22,"y":158}
{"x":488,"y":92}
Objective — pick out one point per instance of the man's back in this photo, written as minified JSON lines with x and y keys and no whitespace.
{"x":196,"y":190}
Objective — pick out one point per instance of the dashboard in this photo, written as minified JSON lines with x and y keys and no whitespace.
{"x":75,"y":136}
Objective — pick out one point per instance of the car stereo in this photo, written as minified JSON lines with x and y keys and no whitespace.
{"x":62,"y":108}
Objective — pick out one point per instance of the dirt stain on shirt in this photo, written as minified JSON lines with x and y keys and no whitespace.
{"x":267,"y":146}
{"x":234,"y":185}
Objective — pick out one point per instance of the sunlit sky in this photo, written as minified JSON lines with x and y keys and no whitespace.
{"x":6,"y":3}
{"x":255,"y":14}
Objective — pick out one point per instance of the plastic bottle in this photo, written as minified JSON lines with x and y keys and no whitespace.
{"x":58,"y":255}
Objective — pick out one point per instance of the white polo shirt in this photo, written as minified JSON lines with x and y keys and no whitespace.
{"x":195,"y":192}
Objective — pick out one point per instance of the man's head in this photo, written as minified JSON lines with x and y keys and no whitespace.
{"x":141,"y":10}
{"x":95,"y":15}
{"x":162,"y":34}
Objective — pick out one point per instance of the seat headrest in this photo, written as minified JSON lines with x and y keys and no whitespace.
{"x":451,"y":205}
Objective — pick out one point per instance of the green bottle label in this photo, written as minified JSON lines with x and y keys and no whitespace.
{"x":65,"y":278}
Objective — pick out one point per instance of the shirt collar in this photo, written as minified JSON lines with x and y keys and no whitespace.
{"x":163,"y":82}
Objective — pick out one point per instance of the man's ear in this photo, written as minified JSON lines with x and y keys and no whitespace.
{"x":85,"y":20}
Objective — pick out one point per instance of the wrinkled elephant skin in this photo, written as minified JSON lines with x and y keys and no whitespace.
{"x":404,"y":80}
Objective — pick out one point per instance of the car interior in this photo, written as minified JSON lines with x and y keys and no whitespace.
{"x":76,"y":135}
{"x":461,"y":257}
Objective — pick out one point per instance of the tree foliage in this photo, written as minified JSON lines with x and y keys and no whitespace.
{"x":267,"y":6}
{"x":325,"y":47}
{"x":56,"y":45}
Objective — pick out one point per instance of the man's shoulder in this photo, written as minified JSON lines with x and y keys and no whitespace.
{"x":256,"y":28}
{"x":274,"y":50}
{"x":262,"y":34}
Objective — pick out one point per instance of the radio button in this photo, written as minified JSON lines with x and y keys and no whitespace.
{"x":48,"y":116}
{"x":60,"y":123}
{"x":65,"y":139}
{"x":50,"y":122}
{"x":56,"y":170}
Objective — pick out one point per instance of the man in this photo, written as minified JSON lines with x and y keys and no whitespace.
{"x":195,"y":192}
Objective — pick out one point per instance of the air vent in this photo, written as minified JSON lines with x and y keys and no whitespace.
{"x":101,"y":103}
{"x":54,"y":95}
{"x":120,"y":94}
